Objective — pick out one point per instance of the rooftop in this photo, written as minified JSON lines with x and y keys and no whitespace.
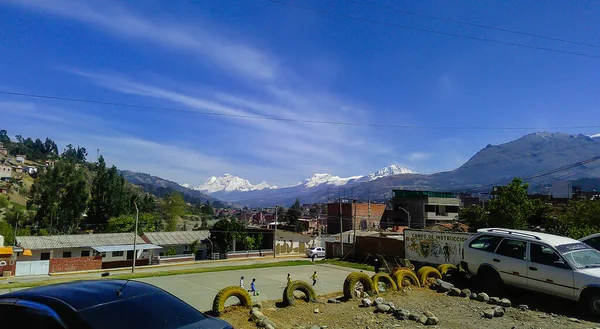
{"x":176,"y":238}
{"x":430,"y":194}
{"x":75,"y":240}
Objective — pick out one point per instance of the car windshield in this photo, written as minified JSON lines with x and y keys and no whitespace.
{"x":580,"y":255}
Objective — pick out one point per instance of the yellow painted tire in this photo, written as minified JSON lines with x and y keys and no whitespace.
{"x":402,"y":275}
{"x":445,"y":268}
{"x":288,"y":292}
{"x":233,"y":291}
{"x":385,"y":278}
{"x":426,"y":273}
{"x":352,"y":279}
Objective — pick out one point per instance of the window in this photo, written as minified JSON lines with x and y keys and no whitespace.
{"x":45,"y":256}
{"x":29,"y":317}
{"x":130,"y":254}
{"x":593,"y":242}
{"x":512,"y":248}
{"x":66,"y":254}
{"x":544,"y":255}
{"x":429,"y":208}
{"x":486,"y":243}
{"x":452,"y":209}
{"x":85,"y":253}
{"x":117,"y":253}
{"x":441,"y":211}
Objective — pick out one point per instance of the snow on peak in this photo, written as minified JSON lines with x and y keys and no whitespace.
{"x":595,"y":136}
{"x":319,"y":179}
{"x":230,"y":183}
{"x":390,"y":170}
{"x":186,"y":185}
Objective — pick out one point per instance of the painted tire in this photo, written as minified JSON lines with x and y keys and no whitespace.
{"x":233,"y":291}
{"x":426,"y":273}
{"x":352,"y":279}
{"x":408,"y":275}
{"x":288,"y":292}
{"x":445,"y":268}
{"x":383,"y":277}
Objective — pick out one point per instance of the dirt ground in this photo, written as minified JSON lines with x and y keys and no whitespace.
{"x":453,"y":313}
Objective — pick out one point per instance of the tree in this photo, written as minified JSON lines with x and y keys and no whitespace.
{"x":579,"y":219}
{"x":207,"y":209}
{"x":511,"y":208}
{"x":174,"y":206}
{"x":60,"y":197}
{"x":109,"y":195}
{"x":475,"y":216}
{"x":126,"y":223}
{"x":4,"y":138}
{"x":225,"y":231}
{"x":293,"y":215}
{"x":204,"y":225}
{"x":74,"y":154}
{"x":4,"y":203}
{"x":7,"y":232}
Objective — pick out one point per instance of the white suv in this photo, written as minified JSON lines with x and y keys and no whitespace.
{"x":541,"y":262}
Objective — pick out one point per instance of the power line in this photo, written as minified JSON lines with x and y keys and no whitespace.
{"x":488,"y":27}
{"x":408,"y":27}
{"x":258,"y":117}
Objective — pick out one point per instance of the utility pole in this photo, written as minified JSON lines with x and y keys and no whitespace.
{"x":354,"y":223}
{"x":407,"y":214}
{"x":135,"y":238}
{"x":275,"y":234}
{"x":341,"y":227}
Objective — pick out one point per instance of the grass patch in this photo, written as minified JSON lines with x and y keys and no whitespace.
{"x":130,"y":276}
{"x":338,"y":262}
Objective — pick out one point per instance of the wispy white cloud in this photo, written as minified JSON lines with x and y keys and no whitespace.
{"x":418,"y":156}
{"x":234,"y":57}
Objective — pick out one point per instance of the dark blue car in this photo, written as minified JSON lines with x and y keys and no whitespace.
{"x":99,"y":304}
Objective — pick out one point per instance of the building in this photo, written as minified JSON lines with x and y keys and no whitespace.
{"x":3,"y":151}
{"x":425,"y":208}
{"x":20,"y":159}
{"x":467,"y":199}
{"x":180,"y":241}
{"x":66,"y":253}
{"x":362,"y":216}
{"x":5,"y":171}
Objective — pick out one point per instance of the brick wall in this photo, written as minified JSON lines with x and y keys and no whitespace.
{"x":251,"y":254}
{"x":366,"y":216}
{"x":125,"y":263}
{"x":176,"y":260}
{"x":365,"y":245}
{"x":75,"y":264}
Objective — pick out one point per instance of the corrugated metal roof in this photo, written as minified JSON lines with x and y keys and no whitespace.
{"x":176,"y":238}
{"x":75,"y":240}
{"x":126,"y":247}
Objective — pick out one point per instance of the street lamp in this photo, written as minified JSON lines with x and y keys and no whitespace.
{"x":135,"y":237}
{"x":407,"y":214}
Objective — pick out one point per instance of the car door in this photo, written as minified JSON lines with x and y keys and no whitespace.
{"x":510,"y":260}
{"x":321,"y":252}
{"x":548,"y":272}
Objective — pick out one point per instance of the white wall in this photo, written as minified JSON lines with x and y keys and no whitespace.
{"x":1,"y":240}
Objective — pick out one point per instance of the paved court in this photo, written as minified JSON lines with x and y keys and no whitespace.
{"x":199,"y":289}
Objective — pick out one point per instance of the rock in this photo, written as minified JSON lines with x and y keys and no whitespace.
{"x":366,"y":302}
{"x":422,"y":319}
{"x":266,"y":323}
{"x":333,"y":301}
{"x":454,"y":292}
{"x":256,"y":314}
{"x":488,"y":314}
{"x":498,"y":312}
{"x":381,"y":287}
{"x":544,"y":316}
{"x":473,"y":296}
{"x":315,"y":327}
{"x":523,"y":307}
{"x":428,"y":314}
{"x":392,"y":306}
{"x":378,"y":300}
{"x":574,"y":320}
{"x":268,"y":326}
{"x":432,"y":321}
{"x":483,"y":297}
{"x":413,"y":317}
{"x":494,"y":300}
{"x":504,"y":302}
{"x":383,"y":308}
{"x":445,"y":287}
{"x":402,"y":314}
{"x":316,"y":310}
{"x":465,"y":293}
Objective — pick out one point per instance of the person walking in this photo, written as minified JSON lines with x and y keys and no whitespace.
{"x":289,"y":279}
{"x":242,"y":282}
{"x":313,"y":257}
{"x":314,"y":278}
{"x":376,"y":264}
{"x":253,"y":287}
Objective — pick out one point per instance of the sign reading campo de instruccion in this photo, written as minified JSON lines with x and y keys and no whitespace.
{"x":434,"y":247}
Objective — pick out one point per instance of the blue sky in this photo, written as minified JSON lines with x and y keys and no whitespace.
{"x":260,"y":58}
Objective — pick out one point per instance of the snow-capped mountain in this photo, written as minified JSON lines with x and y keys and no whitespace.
{"x":319,"y":179}
{"x":229,"y":183}
{"x":389,"y":171}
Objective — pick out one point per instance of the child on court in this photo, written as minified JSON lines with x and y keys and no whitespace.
{"x":314,"y":278}
{"x":242,"y":282}
{"x":289,"y":279}
{"x":253,"y":287}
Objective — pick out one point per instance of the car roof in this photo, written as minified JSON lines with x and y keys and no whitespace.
{"x":81,"y":295}
{"x":551,"y":239}
{"x":590,"y":237}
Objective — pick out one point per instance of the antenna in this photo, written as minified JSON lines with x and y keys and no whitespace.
{"x":120,"y":291}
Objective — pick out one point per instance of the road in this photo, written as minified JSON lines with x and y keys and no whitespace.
{"x":199,"y":289}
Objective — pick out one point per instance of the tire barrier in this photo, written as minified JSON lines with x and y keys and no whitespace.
{"x":445,"y":268}
{"x":427,"y":272}
{"x":405,"y":275}
{"x":386,"y":279}
{"x":288,"y":292}
{"x":352,"y":279}
{"x":233,"y":291}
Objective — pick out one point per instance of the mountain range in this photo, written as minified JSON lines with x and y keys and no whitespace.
{"x":534,"y":157}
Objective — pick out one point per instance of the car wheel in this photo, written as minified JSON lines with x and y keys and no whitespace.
{"x":490,"y":281}
{"x":594,"y":304}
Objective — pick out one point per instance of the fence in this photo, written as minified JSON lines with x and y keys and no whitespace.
{"x":250,"y":253}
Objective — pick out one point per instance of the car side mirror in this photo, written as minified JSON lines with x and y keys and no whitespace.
{"x":560,"y":264}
